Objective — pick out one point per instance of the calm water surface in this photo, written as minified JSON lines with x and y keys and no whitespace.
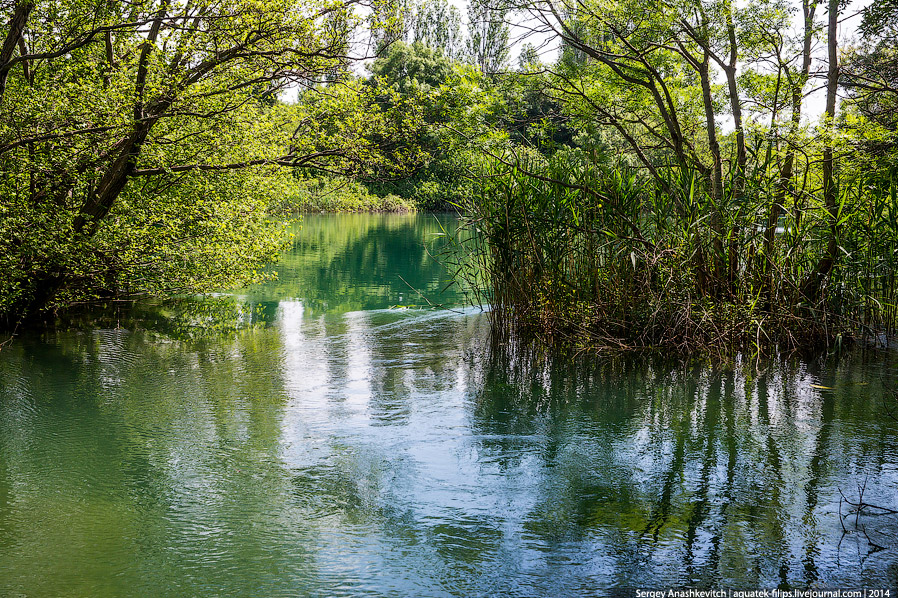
{"x":346,"y":441}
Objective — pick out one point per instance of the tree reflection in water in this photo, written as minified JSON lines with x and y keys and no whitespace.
{"x":696,"y":475}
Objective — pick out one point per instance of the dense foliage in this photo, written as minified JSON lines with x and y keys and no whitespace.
{"x":141,"y":142}
{"x":700,"y":207}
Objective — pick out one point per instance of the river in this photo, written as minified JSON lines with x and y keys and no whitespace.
{"x":332,"y":434}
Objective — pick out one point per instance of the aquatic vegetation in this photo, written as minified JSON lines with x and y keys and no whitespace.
{"x":596,"y":255}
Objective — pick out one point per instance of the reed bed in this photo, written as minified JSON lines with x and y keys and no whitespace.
{"x":604,"y":257}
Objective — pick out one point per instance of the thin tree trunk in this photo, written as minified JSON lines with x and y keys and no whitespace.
{"x":719,"y":258}
{"x":741,"y":155}
{"x":100,"y":201}
{"x":813,"y":283}
{"x":735,"y":103}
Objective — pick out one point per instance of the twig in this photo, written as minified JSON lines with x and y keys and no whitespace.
{"x":429,"y":302}
{"x":860,"y":504}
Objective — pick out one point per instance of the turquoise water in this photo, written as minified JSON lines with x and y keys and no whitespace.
{"x":345,"y":439}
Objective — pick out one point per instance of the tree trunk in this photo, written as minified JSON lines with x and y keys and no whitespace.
{"x":16,"y":27}
{"x":719,"y":258}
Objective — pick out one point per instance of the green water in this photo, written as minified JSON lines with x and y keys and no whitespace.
{"x":333,"y":446}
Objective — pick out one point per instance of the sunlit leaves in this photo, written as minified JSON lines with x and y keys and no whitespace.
{"x":139,"y":141}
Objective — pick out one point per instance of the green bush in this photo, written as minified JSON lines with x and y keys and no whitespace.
{"x":335,"y":195}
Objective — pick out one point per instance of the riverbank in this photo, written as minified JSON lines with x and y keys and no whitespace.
{"x":336,"y":196}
